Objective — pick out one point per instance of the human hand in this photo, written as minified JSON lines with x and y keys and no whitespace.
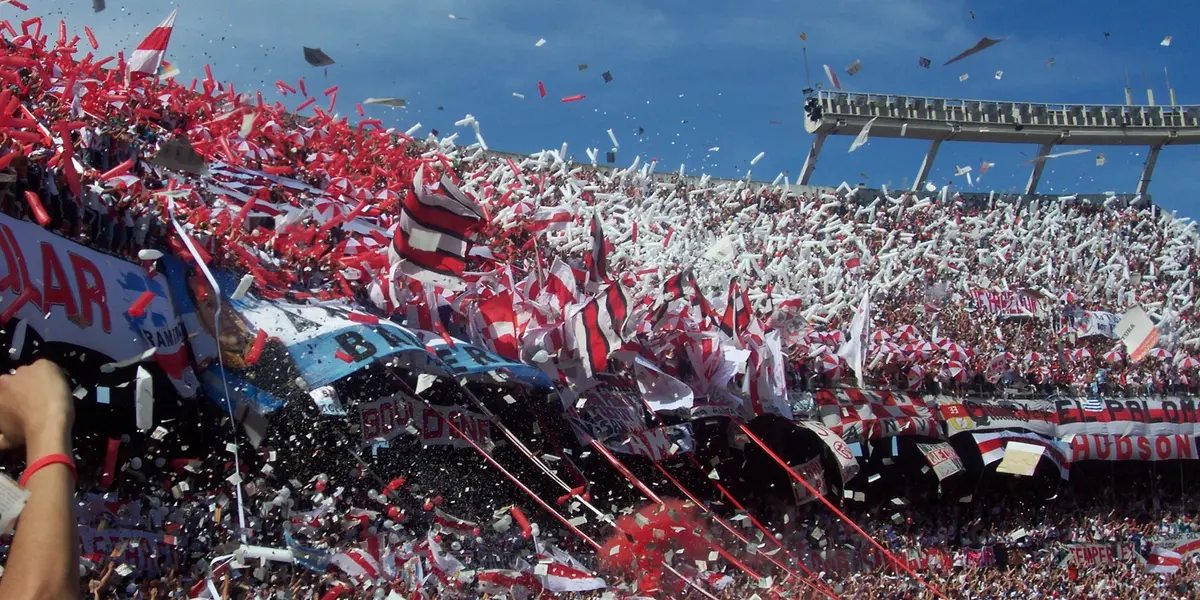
{"x":36,"y":410}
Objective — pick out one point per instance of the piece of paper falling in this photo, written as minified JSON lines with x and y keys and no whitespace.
{"x":854,"y":67}
{"x":1166,"y":41}
{"x":144,"y":399}
{"x":541,"y":42}
{"x":862,"y":136}
{"x":999,"y":75}
{"x":964,"y":77}
{"x":1100,"y":160}
{"x":518,"y":95}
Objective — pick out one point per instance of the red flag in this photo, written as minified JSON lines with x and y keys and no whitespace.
{"x":434,"y":237}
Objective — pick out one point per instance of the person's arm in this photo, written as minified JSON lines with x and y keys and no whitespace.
{"x":36,"y":411}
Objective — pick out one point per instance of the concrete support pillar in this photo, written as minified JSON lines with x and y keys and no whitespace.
{"x":810,"y":162}
{"x":1148,"y":169}
{"x":926,"y":165}
{"x":1038,"y":165}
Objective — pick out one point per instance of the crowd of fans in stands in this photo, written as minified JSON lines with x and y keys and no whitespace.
{"x":1047,"y":248}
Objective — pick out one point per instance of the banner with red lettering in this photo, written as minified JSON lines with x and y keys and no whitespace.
{"x":942,"y":457}
{"x":1060,"y":417}
{"x":1128,"y":416}
{"x":1094,"y":555}
{"x":71,"y":294}
{"x":1009,"y":304}
{"x":858,"y":415}
{"x":847,"y":464}
{"x":814,"y":474}
{"x":1112,"y":447}
{"x":390,"y":417}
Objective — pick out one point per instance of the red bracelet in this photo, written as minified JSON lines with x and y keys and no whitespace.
{"x":45,"y":461}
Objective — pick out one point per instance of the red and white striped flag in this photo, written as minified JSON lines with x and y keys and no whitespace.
{"x":595,"y":328}
{"x":148,"y":57}
{"x":433,"y":238}
{"x":554,"y":218}
{"x":1162,"y":560}
{"x":560,"y":572}
{"x":357,"y":563}
{"x":500,"y":325}
{"x":506,"y":582}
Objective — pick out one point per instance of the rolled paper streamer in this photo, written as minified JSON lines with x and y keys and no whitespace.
{"x":39,"y":211}
{"x":62,"y":33}
{"x":306,"y":104}
{"x":343,"y":356}
{"x":143,"y":399}
{"x":278,"y":170}
{"x":575,"y":98}
{"x":149,"y":254}
{"x":256,"y":350}
{"x":91,"y":38}
{"x":243,"y":287}
{"x":331,"y":90}
{"x":358,"y":107}
{"x":542,"y":89}
{"x":364,"y":318}
{"x":526,"y":529}
{"x":18,"y":5}
{"x":17,"y":61}
{"x":264,"y":553}
{"x":139,"y":306}
{"x":303,"y":90}
{"x":118,"y":170}
{"x":208,"y":72}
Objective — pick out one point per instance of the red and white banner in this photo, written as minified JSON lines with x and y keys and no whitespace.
{"x":1061,"y":417}
{"x":73,"y":295}
{"x":1112,"y":447}
{"x":814,"y":474}
{"x":1163,"y":561}
{"x":963,"y":415}
{"x":390,"y":417}
{"x":992,"y":444}
{"x":942,"y":458}
{"x":1021,"y":303}
{"x":1094,"y":555}
{"x":1185,"y":545}
{"x":847,"y":463}
{"x":858,"y":415}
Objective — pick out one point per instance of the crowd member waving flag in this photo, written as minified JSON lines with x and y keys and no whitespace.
{"x":435,"y":230}
{"x":1162,"y":560}
{"x":599,"y":256}
{"x":148,"y":57}
{"x":594,"y":329}
{"x":854,"y":350}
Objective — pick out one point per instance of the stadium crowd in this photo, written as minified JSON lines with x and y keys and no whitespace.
{"x":803,"y":262}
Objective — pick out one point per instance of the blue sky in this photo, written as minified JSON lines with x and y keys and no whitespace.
{"x":696,"y":74}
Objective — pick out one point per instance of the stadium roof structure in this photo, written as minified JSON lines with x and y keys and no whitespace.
{"x":953,"y":119}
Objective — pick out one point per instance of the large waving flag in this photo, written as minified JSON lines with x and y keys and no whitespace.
{"x":434,"y":235}
{"x":854,"y":351}
{"x":595,"y":328}
{"x":148,"y":57}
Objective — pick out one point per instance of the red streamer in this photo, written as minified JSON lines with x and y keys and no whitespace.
{"x":91,"y":38}
{"x":575,"y":98}
{"x":39,"y":211}
{"x":256,"y":350}
{"x":139,"y":306}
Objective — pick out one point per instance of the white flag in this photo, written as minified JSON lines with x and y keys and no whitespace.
{"x":862,"y":135}
{"x":854,"y":349}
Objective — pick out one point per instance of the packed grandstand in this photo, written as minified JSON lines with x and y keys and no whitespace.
{"x":314,"y":358}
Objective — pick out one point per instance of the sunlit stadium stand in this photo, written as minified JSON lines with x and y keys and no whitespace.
{"x":941,"y":120}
